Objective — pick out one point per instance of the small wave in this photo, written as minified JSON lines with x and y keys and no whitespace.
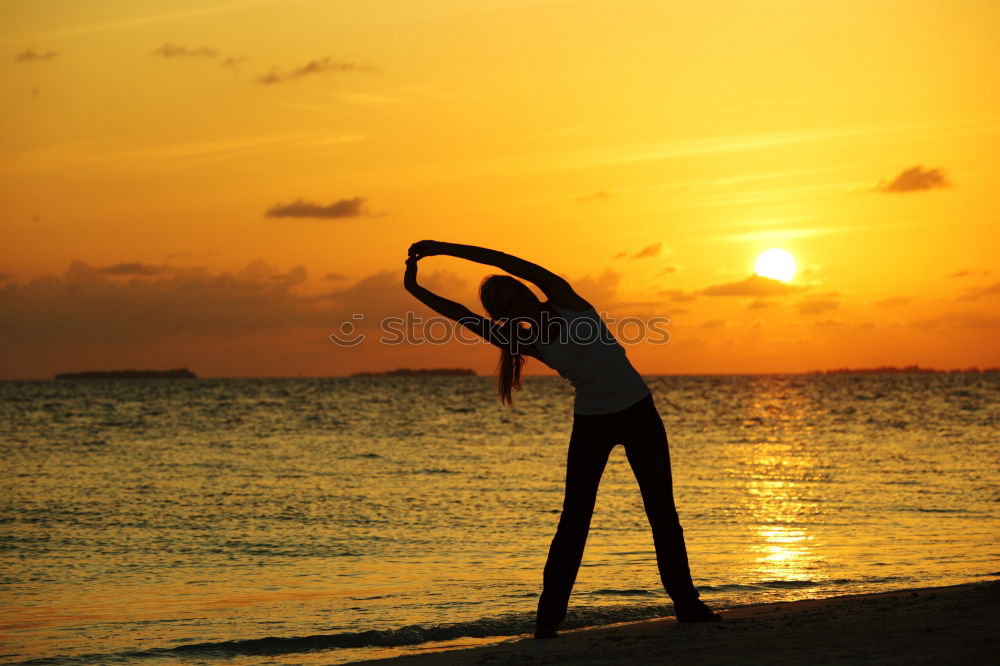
{"x":623,"y":593}
{"x":785,"y":584}
{"x":410,"y":635}
{"x":797,"y":584}
{"x":504,"y":626}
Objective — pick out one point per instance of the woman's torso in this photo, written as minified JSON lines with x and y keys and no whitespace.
{"x":582,"y":350}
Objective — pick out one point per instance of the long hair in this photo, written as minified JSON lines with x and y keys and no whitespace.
{"x":510,"y":363}
{"x":509,"y":375}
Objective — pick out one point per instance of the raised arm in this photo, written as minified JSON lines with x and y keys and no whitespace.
{"x":557,"y":289}
{"x":478,"y":324}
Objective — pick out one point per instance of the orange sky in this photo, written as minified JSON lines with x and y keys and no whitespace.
{"x":648,"y":151}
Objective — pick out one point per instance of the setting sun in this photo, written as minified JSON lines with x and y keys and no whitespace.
{"x":776,"y":264}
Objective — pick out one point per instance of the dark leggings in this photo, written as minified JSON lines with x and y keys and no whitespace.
{"x":640,"y":429}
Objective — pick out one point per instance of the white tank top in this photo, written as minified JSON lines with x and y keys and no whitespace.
{"x":588,"y":355}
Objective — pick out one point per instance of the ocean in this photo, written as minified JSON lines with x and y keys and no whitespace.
{"x":325,"y":520}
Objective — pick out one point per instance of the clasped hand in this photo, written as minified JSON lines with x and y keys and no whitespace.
{"x":425,"y":248}
{"x":417,"y":251}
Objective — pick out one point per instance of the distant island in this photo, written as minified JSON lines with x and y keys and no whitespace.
{"x":420,"y":372}
{"x":892,"y":368}
{"x":179,"y":373}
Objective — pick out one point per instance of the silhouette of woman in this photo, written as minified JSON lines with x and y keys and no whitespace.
{"x":612,"y":405}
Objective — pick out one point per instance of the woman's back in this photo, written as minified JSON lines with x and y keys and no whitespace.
{"x":587,"y":354}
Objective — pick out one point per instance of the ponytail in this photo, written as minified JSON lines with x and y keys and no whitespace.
{"x":508,"y":334}
{"x":509,"y":375}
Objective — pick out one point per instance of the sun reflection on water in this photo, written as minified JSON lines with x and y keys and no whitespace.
{"x":780,"y":493}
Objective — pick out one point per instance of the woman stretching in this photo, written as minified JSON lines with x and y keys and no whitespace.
{"x":612,"y":405}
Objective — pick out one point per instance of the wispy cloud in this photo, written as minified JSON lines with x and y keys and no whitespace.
{"x":133,"y":268}
{"x":649,"y":251}
{"x":233,"y":62}
{"x":300,"y":208}
{"x":777,"y":236}
{"x":131,"y":22}
{"x":894,"y":301}
{"x":369,"y":99}
{"x":967,"y":273}
{"x":818,"y":303}
{"x":962,"y":320}
{"x":76,"y":154}
{"x":320,"y":66}
{"x":975,"y":293}
{"x":31,"y":55}
{"x":679,"y":294}
{"x":644,"y":253}
{"x":755,"y":285}
{"x":596,"y":196}
{"x":170,"y":50}
{"x":915,"y":179}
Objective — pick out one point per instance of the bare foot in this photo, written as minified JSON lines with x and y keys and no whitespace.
{"x":695,"y":611}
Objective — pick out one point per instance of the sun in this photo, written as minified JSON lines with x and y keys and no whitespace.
{"x":776,"y":264}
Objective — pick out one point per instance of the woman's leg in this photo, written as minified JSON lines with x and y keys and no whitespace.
{"x":646,"y":447}
{"x":589,"y":447}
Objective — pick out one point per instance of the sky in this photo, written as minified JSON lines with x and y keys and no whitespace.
{"x":223,"y":185}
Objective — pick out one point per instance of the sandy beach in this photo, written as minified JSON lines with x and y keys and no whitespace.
{"x":943,"y":625}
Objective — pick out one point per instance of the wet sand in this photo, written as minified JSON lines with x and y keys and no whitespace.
{"x":941,"y":626}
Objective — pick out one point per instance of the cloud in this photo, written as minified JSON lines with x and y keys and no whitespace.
{"x":321,"y":66}
{"x":334,"y":276}
{"x":758,"y":304}
{"x":233,"y":61}
{"x":670,"y":269}
{"x":975,"y":293}
{"x":31,"y":55}
{"x":713,"y":323}
{"x":679,"y":294}
{"x":967,"y":273}
{"x":818,"y":303}
{"x":169,"y":50}
{"x":5,"y":276}
{"x":88,"y":304}
{"x":89,"y":317}
{"x":915,"y":179}
{"x":135,"y":268}
{"x":300,"y":208}
{"x":755,"y":285}
{"x":648,"y":251}
{"x":963,"y":320}
{"x":894,"y":301}
{"x":600,"y":291}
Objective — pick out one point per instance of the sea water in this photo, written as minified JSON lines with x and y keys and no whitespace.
{"x":301,"y":521}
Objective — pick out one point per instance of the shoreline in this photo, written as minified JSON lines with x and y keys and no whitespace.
{"x":935,"y":625}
